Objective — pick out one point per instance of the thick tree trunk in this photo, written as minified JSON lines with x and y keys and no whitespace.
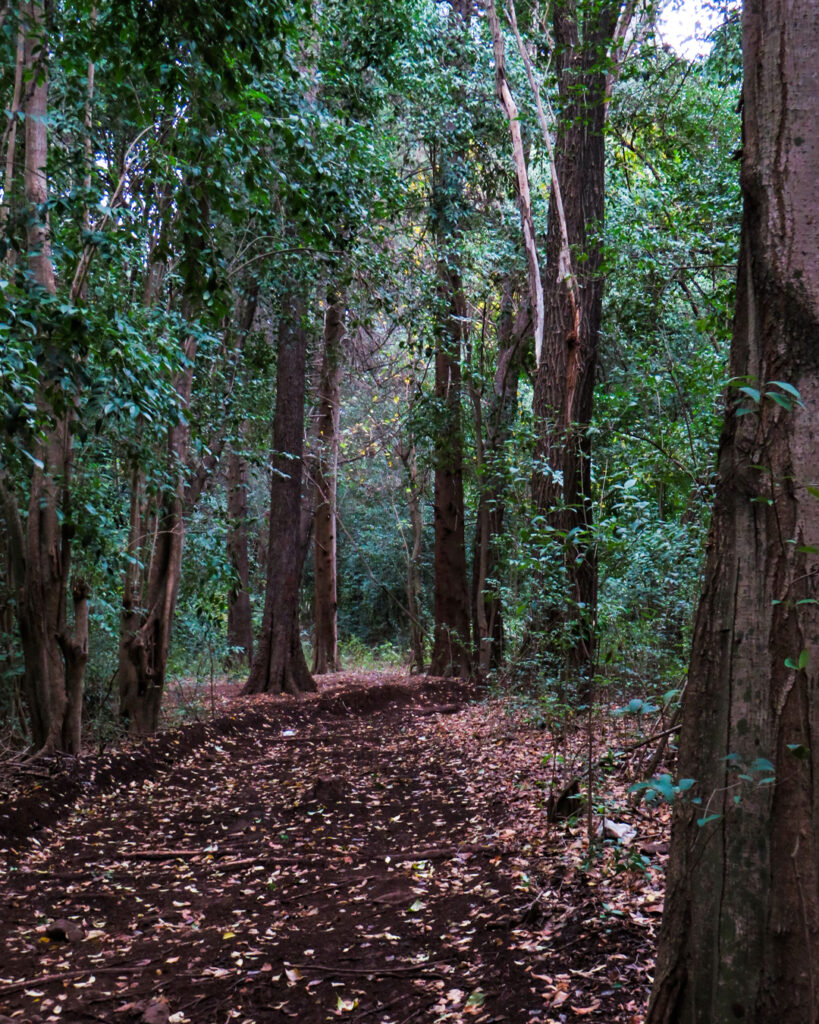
{"x":564,"y":387}
{"x":43,"y":565}
{"x":486,"y":600}
{"x":451,"y":644}
{"x":41,"y":600}
{"x":279,"y":664}
{"x":240,"y":618}
{"x":325,"y":603}
{"x":740,"y":937}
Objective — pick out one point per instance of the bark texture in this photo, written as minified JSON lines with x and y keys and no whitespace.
{"x":407,"y":454}
{"x":279,"y":665}
{"x":451,"y":640}
{"x":486,"y":563}
{"x":564,"y":387}
{"x":325,"y":601}
{"x":451,"y":655}
{"x":41,"y":550}
{"x":147,"y":613}
{"x":740,"y":938}
{"x":240,"y":618}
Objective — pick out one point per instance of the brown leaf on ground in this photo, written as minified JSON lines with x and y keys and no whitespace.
{"x":421,"y":881}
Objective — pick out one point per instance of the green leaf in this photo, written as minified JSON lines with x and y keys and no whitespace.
{"x":707,"y":818}
{"x":799,"y":750}
{"x":791,"y":390}
{"x":752,"y":393}
{"x":665,"y":786}
{"x":762,"y":764}
{"x":781,"y":400}
{"x":804,"y":658}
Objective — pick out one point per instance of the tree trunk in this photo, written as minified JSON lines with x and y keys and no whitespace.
{"x":450,"y":649}
{"x":75,"y":652}
{"x":486,"y":600}
{"x":279,"y":665}
{"x":41,"y":600}
{"x":143,"y":656}
{"x":451,"y":654}
{"x":564,"y":387}
{"x":740,"y":936}
{"x":147,"y":621}
{"x":417,"y":639}
{"x":240,"y":618}
{"x":43,"y":564}
{"x":325,"y":604}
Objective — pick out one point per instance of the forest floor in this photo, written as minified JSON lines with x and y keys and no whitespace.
{"x":376,"y":853}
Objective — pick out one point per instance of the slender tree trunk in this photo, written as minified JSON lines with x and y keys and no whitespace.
{"x":144,"y":651}
{"x":146,"y":625}
{"x":325,"y":603}
{"x":489,"y":528}
{"x":740,"y":936}
{"x":240,"y":619}
{"x":451,"y":643}
{"x":75,"y":652}
{"x":451,"y":655}
{"x":10,"y":134}
{"x":564,"y":387}
{"x":279,"y":664}
{"x":417,"y":639}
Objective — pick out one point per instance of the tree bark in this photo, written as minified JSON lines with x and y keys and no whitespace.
{"x":240,"y":618}
{"x":149,"y":602}
{"x":486,"y":599}
{"x":42,"y":549}
{"x":451,"y":655}
{"x":74,"y":647}
{"x":564,"y":386}
{"x":407,"y":455}
{"x":279,"y":665}
{"x":325,"y":602}
{"x":143,"y":654}
{"x":520,"y":158}
{"x":451,"y":645}
{"x":740,"y":936}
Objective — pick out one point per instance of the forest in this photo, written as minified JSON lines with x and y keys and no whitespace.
{"x":440,"y":340}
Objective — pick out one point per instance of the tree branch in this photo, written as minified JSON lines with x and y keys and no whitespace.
{"x":507,"y":101}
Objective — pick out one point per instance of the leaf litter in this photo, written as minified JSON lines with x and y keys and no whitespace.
{"x":381,"y":853}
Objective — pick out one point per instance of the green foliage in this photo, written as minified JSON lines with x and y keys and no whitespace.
{"x":232,"y":150}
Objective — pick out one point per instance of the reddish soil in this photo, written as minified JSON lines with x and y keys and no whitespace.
{"x":375,"y":853}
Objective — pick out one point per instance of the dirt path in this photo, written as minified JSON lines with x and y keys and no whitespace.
{"x":349,"y":858}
